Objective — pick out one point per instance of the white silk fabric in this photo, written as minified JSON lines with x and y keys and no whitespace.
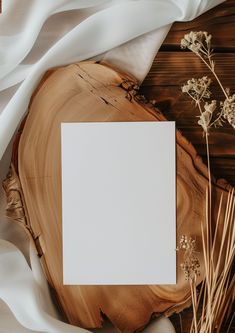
{"x":36,"y":35}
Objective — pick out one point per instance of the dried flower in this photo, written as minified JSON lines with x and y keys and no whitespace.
{"x":191,"y":264}
{"x":228,"y":110}
{"x":198,"y":88}
{"x":206,"y":116}
{"x":218,"y":122}
{"x":216,"y":293}
{"x":198,"y":42}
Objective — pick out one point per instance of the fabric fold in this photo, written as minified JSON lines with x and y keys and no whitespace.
{"x":108,"y":28}
{"x":23,"y":295}
{"x":27,"y":27}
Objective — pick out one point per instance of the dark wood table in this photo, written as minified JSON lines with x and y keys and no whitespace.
{"x":172,"y":67}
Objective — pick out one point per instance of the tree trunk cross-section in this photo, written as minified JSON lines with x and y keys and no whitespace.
{"x":81,"y":93}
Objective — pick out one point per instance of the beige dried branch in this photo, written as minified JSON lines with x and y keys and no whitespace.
{"x":218,"y":287}
{"x":200,"y":44}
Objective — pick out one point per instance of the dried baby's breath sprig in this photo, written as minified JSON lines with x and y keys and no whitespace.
{"x":198,"y":42}
{"x":216,"y":293}
{"x":228,"y":110}
{"x":218,"y":240}
{"x":191,"y":269}
{"x":190,"y":265}
{"x":205,"y":119}
{"x":198,"y":89}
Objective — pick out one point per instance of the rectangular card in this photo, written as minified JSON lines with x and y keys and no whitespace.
{"x":119,"y":203}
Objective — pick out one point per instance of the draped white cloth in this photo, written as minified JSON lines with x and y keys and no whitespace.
{"x":36,"y":35}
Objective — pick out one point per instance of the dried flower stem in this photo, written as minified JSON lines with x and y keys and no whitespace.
{"x":194,"y":302}
{"x":211,"y":67}
{"x":218,"y":285}
{"x":200,"y":44}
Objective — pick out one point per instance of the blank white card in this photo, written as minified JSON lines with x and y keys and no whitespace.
{"x":118,"y":203}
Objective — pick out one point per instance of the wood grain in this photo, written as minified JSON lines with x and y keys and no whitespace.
{"x":219,"y":21}
{"x":172,"y":67}
{"x":163,"y":84}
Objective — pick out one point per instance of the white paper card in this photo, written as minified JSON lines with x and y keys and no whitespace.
{"x":119,"y":205}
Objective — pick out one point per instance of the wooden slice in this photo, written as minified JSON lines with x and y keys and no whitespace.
{"x":94,"y":92}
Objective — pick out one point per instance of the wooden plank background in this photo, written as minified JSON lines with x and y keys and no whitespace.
{"x":171,"y":68}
